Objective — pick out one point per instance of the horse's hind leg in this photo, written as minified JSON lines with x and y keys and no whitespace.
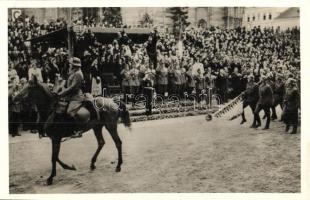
{"x":65,"y":166}
{"x":100,"y":140}
{"x":55,"y":153}
{"x":252,"y":106}
{"x":112,"y":128}
{"x":242,"y":114}
{"x":274,"y":113}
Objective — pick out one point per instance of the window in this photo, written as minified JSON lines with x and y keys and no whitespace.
{"x":249,"y":19}
{"x":270,"y":16}
{"x":264,"y":17}
{"x":253,"y":18}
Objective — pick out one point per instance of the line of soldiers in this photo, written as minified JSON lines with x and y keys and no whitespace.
{"x":267,"y":94}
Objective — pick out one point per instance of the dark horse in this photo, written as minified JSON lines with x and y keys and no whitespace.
{"x":59,"y":126}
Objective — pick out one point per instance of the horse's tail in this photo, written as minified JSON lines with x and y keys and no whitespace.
{"x":124,"y":114}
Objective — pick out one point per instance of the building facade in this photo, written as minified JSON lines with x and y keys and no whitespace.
{"x":228,"y":17}
{"x":282,"y":17}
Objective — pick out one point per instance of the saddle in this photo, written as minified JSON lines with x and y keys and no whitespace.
{"x":87,"y":103}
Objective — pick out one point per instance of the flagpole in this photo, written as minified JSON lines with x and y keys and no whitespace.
{"x":69,"y":30}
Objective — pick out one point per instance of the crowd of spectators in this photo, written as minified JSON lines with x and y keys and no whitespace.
{"x":198,"y":60}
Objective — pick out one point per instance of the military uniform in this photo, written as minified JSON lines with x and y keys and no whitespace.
{"x":265,"y":102}
{"x":177,"y":81}
{"x":290,"y":111}
{"x":162,"y":79}
{"x":279,"y":91}
{"x":250,"y":98}
{"x":73,"y":92}
{"x":190,"y":81}
{"x":126,"y":82}
{"x":200,"y":85}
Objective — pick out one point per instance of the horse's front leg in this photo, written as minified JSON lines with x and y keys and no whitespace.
{"x":55,"y":153}
{"x":118,"y":143}
{"x":101,"y":142}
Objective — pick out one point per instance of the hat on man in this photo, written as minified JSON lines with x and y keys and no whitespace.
{"x":76,"y":62}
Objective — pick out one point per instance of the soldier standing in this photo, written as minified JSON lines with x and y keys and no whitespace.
{"x":250,"y":98}
{"x":279,"y":90}
{"x":291,"y":105}
{"x":265,"y":101}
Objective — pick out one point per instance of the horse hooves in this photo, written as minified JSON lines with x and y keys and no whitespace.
{"x":49,"y":181}
{"x":92,"y":167}
{"x":73,"y":168}
{"x":118,"y":169}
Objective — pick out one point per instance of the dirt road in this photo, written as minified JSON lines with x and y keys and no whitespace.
{"x":173,"y":155}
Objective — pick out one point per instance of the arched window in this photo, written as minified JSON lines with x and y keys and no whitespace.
{"x":270,"y":16}
{"x":253,"y":18}
{"x":264,"y":17}
{"x":249,"y":19}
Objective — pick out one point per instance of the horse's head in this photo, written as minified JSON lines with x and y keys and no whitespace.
{"x":35,"y":92}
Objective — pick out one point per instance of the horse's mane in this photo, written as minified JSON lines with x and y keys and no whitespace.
{"x":42,"y":86}
{"x":45,"y":89}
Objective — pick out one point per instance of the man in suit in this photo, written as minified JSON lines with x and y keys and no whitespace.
{"x":265,"y":101}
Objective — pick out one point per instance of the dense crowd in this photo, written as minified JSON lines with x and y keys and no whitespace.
{"x":198,"y":60}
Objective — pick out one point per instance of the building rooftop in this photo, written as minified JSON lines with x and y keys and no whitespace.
{"x":289,"y":13}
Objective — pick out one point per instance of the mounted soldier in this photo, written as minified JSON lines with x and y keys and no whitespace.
{"x":73,"y":93}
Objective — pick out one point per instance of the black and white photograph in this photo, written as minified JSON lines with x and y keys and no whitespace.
{"x":154,"y":100}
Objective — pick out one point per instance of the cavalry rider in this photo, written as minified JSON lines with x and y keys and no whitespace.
{"x":265,"y":102}
{"x":73,"y":93}
{"x":291,"y":105}
{"x":250,"y":97}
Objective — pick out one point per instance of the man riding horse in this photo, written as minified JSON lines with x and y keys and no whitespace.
{"x":56,"y":123}
{"x":73,"y":93}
